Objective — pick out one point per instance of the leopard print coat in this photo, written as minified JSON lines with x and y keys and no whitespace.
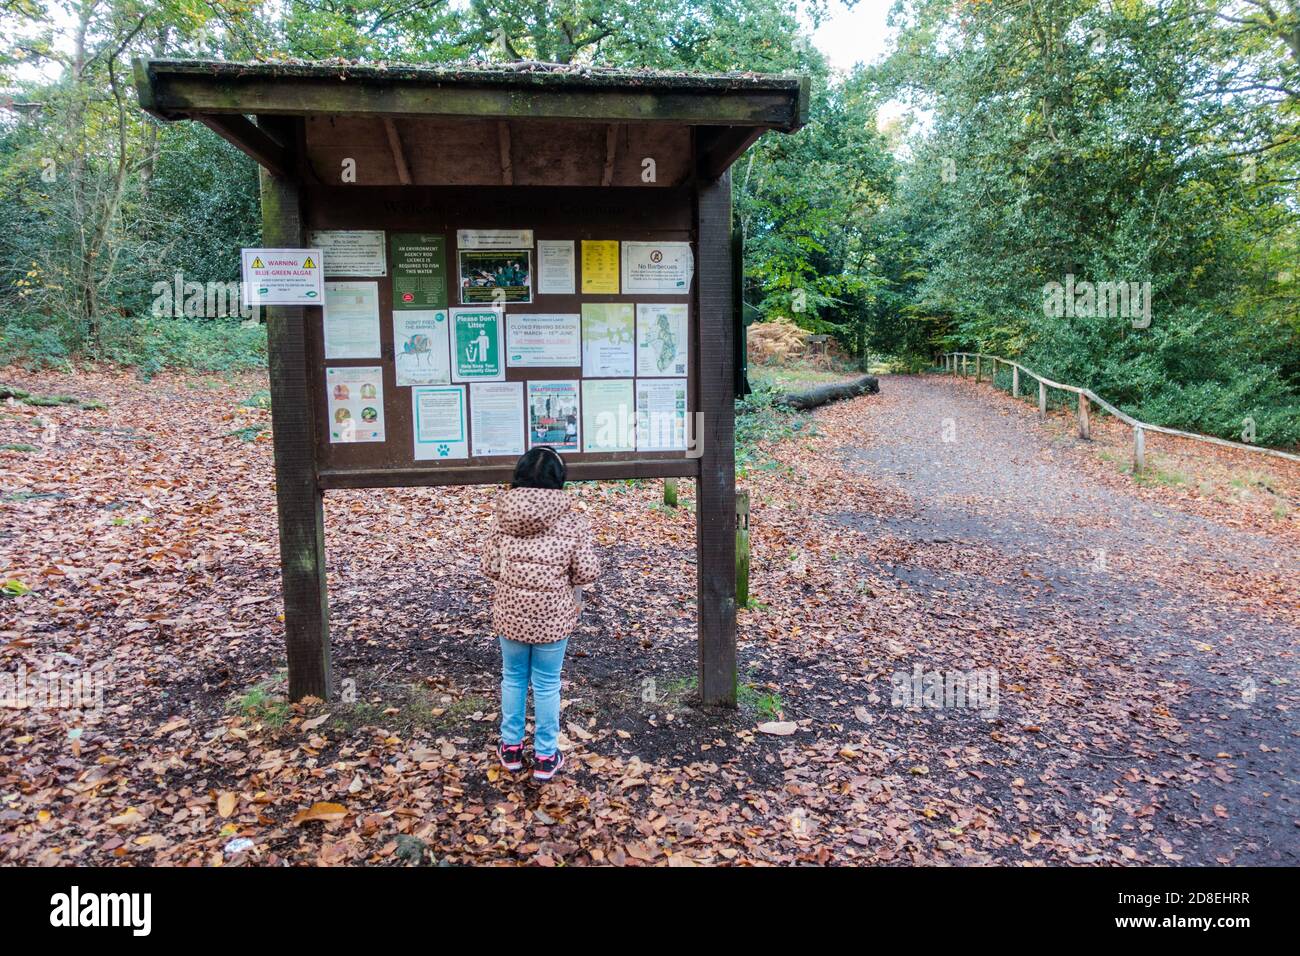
{"x":538,"y":551}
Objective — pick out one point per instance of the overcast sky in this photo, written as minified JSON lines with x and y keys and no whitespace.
{"x":856,"y":35}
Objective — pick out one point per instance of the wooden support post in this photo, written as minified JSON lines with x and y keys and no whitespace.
{"x":298,"y":498}
{"x":1139,"y":451}
{"x":1085,"y":418}
{"x":1042,"y":400}
{"x":742,"y":548}
{"x":965,"y":365}
{"x":715,"y":495}
{"x":1015,"y":381}
{"x":978,"y":368}
{"x":670,"y":492}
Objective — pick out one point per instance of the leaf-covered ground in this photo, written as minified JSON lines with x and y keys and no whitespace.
{"x":1143,"y":635}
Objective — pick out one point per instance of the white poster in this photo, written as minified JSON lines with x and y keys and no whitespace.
{"x":355,"y":401}
{"x":661,"y":339}
{"x":542,"y":340}
{"x":661,"y":414}
{"x":281,"y":277}
{"x":555,"y":267}
{"x":665,"y":268}
{"x":608,"y":340}
{"x":496,"y":418}
{"x":494,"y":238}
{"x":553,"y":417}
{"x":420,"y":351}
{"x":351,"y":320}
{"x":351,"y":252}
{"x":608,"y":415}
{"x":438,"y":422}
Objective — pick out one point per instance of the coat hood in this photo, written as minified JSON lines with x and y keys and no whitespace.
{"x":524,"y":512}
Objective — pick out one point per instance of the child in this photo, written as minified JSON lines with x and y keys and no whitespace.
{"x":539,"y":553}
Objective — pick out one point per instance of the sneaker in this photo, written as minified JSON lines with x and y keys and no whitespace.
{"x":547,"y":767}
{"x":512,"y":755}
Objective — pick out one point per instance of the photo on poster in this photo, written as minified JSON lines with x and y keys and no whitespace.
{"x":661,"y":414}
{"x":608,"y":415}
{"x":555,"y":267}
{"x":496,"y":419}
{"x":421,"y":350}
{"x":496,"y":277}
{"x":608,"y":340}
{"x":419,"y":263}
{"x":351,"y":318}
{"x":554,"y":416}
{"x":351,"y":252}
{"x":661,"y":339}
{"x":355,"y":404}
{"x":600,"y":267}
{"x":543,"y":340}
{"x":663,"y":268}
{"x":477,"y":354}
{"x":438,"y":422}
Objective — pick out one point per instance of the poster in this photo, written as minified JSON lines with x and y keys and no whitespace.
{"x":476,"y":346}
{"x":351,"y":252}
{"x":542,"y":340}
{"x":553,"y":417}
{"x":664,"y":268}
{"x":608,"y":340}
{"x":496,"y":277}
{"x":661,"y":339}
{"x":608,"y":417}
{"x":494,"y":238}
{"x":351,"y":320}
{"x":421,"y":353}
{"x":600,"y":267}
{"x":438,"y":422}
{"x":355,"y":402}
{"x":419,"y":262}
{"x":555,"y":267}
{"x":281,"y":277}
{"x":661,"y":414}
{"x":496,"y":412}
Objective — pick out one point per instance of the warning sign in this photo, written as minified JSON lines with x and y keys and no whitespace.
{"x":282,"y":277}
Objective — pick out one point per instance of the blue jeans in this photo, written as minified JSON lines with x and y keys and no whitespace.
{"x":541,"y":664}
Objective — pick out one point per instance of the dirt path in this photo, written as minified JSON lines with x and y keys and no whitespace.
{"x":1157,"y":593}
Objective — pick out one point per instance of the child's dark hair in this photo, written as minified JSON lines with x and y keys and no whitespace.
{"x":540,"y":467}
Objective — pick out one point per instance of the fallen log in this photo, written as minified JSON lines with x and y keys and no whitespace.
{"x":814,"y":397}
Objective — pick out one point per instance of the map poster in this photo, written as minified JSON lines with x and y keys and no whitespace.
{"x":553,"y":417}
{"x":419,"y":262}
{"x":438,"y":422}
{"x":661,"y":339}
{"x":496,"y":277}
{"x":351,"y":320}
{"x":351,"y":252}
{"x":496,"y":419}
{"x":421,"y":353}
{"x":355,"y":404}
{"x":608,"y":415}
{"x":600,"y":267}
{"x":555,"y":267}
{"x":542,"y":340}
{"x":476,"y":343}
{"x":663,"y":268}
{"x":661,"y":415}
{"x":608,"y":340}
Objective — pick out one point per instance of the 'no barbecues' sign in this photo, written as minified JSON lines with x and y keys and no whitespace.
{"x":282,"y":277}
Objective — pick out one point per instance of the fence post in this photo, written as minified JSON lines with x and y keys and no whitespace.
{"x":742,"y":549}
{"x":1042,"y":400}
{"x":965,"y":364}
{"x":1015,"y":381}
{"x":1085,"y":421}
{"x":1139,"y":451}
{"x":978,"y":369}
{"x":670,"y":492}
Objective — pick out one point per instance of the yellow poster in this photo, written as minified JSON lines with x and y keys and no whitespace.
{"x":600,"y":267}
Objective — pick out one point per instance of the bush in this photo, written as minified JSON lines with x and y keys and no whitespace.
{"x":35,"y":342}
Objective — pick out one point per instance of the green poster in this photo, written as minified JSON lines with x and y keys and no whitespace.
{"x":476,"y":346}
{"x":419,"y":266}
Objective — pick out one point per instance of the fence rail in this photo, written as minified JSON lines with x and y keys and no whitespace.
{"x":1088,"y":398}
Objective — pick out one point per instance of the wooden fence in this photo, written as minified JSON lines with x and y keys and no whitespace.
{"x":1088,"y":398}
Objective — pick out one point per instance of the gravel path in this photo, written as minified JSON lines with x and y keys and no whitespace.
{"x":1171,"y":597}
